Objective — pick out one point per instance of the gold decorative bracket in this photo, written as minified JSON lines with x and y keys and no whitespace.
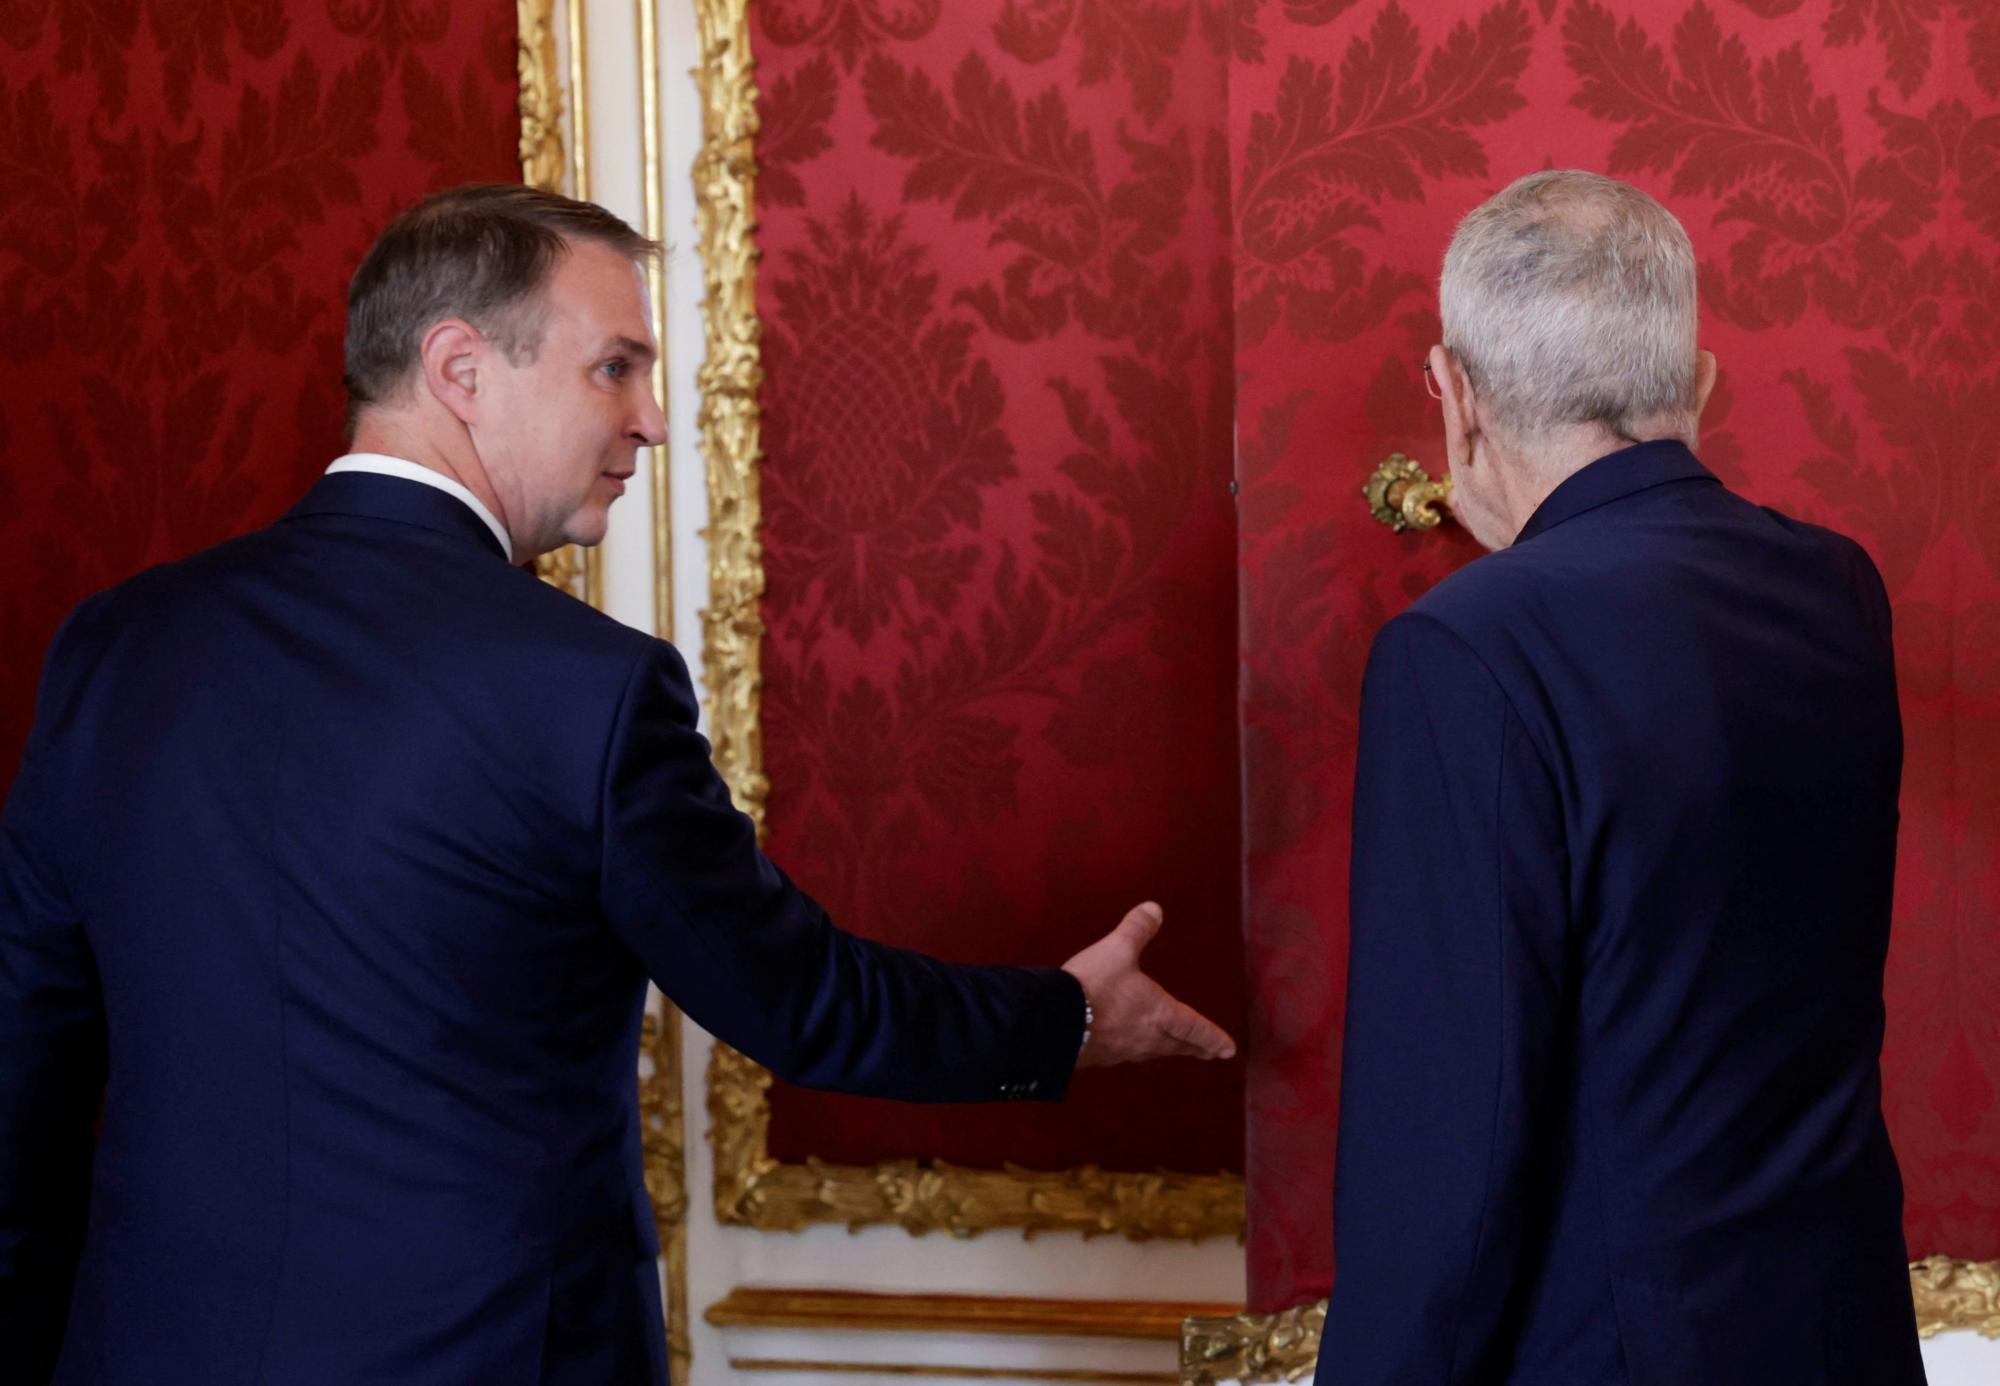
{"x":1252,"y":1347}
{"x":1401,"y":494}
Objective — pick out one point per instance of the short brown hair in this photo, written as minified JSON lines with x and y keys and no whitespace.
{"x":481,"y":252}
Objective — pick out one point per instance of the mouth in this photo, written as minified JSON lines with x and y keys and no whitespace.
{"x":617,"y":480}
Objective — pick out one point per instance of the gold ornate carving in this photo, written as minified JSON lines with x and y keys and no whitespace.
{"x":1956,"y":1294}
{"x":1401,"y":494}
{"x":725,"y":173}
{"x":752,"y":1188}
{"x":575,"y":570}
{"x":541,"y":95}
{"x":1252,"y":1347}
{"x":664,"y":1129}
{"x":846,"y":1310}
{"x":568,"y":568}
{"x":1949,"y":1294}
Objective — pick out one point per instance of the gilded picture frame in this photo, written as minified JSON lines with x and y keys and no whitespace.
{"x":752,"y":1188}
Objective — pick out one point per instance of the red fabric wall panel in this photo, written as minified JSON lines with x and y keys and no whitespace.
{"x":1000,"y":697}
{"x":1838,"y":167}
{"x":188,"y":188}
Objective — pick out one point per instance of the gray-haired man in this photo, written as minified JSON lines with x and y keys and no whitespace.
{"x":1624,"y":832}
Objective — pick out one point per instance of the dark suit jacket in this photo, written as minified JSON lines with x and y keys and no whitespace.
{"x":1624,"y":831}
{"x":338,"y":861}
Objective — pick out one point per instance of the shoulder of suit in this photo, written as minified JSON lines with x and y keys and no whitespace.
{"x":531,"y":605}
{"x":1489,"y":591}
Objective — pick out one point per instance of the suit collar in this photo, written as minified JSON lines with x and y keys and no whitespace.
{"x":1614,"y":477}
{"x":379,"y":497}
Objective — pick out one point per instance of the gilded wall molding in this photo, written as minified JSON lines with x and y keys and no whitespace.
{"x":729,"y":422}
{"x":579,"y":572}
{"x":663,"y":1126}
{"x":1953,"y":1294}
{"x":872,"y":1311}
{"x":1950,"y":1294}
{"x":544,"y":165}
{"x":752,"y":1188}
{"x":1252,"y":1347}
{"x":541,"y":102}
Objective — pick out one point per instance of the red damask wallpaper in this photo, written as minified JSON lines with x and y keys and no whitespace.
{"x":1000,"y":412}
{"x":1000,"y":706}
{"x":1838,"y":166}
{"x":188,"y":188}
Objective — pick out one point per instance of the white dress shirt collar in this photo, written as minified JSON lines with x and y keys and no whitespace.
{"x":384,"y":465}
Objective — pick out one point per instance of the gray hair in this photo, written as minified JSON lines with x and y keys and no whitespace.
{"x":1569,"y":298}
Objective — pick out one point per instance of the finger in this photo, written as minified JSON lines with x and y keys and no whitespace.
{"x":1198,"y":1033}
{"x":1139,"y":925}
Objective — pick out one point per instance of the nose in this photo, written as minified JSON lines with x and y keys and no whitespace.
{"x":649,"y":429}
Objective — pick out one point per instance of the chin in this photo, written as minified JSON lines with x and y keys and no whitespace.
{"x":587,"y":527}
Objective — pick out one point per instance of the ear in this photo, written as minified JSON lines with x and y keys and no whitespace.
{"x":451,"y":354}
{"x":1461,"y":409}
{"x":1704,"y":381}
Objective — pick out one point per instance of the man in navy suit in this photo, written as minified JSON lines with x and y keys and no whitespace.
{"x":339,"y":858}
{"x":1624,"y":831}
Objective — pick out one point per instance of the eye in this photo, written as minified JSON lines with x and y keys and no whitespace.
{"x":616,"y":368}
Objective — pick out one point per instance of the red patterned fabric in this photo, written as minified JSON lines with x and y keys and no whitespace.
{"x":1000,"y":393}
{"x":1000,"y":698}
{"x":1838,"y":167}
{"x":188,"y":188}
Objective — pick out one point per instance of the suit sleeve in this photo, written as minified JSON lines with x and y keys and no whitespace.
{"x":758,"y":964}
{"x":1457,"y":969}
{"x":52,"y":1069}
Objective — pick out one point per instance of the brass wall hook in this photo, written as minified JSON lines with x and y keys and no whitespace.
{"x":1401,"y":494}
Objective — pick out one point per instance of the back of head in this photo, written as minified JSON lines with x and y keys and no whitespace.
{"x":482,"y":252}
{"x":1569,"y":299}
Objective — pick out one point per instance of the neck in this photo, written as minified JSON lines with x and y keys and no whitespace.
{"x":452,"y":456}
{"x":1532,"y":470}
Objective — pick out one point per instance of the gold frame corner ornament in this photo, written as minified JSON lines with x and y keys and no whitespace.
{"x":1949,"y":1295}
{"x":752,"y":1188}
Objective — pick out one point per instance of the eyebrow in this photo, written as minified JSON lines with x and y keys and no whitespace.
{"x":630,"y":347}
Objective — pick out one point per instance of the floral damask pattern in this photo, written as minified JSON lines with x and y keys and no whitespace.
{"x":1336,"y":147}
{"x":1839,"y":173}
{"x":888,"y":430}
{"x":847,"y":28}
{"x":1078,"y":242}
{"x":998,"y":705}
{"x":189,"y":186}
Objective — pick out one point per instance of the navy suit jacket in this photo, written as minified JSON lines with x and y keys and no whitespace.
{"x":1624,"y":832}
{"x":337,"y":863}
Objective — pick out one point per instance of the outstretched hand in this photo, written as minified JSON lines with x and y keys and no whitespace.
{"x":1134,"y":1018}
